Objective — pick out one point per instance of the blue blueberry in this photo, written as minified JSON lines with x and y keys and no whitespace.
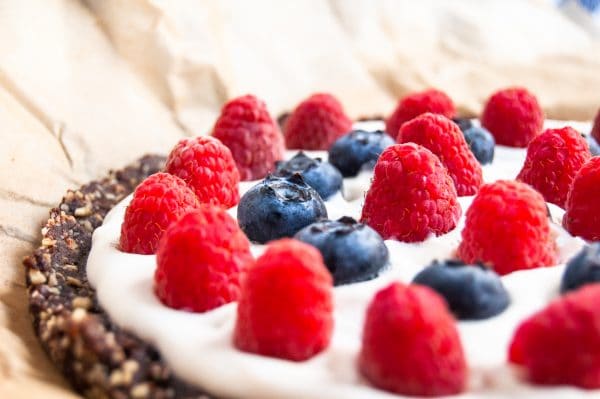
{"x":322,"y":176}
{"x":357,"y":150}
{"x":473,"y":292}
{"x":593,"y":144}
{"x":583,"y":268}
{"x":352,"y":251}
{"x":278,"y":207}
{"x":463,"y":123}
{"x":482,"y":144}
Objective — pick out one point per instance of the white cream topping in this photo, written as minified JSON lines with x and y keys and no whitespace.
{"x":199,"y":347}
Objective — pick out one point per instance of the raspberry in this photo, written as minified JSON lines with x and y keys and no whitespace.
{"x":410,"y":343}
{"x":316,"y":123}
{"x":443,"y":137}
{"x":582,"y":217}
{"x":200,"y":259}
{"x":254,"y":139}
{"x":507,"y":228}
{"x":415,"y":104}
{"x":286,"y":307}
{"x":157,"y":202}
{"x":596,"y":127}
{"x":207,"y":166}
{"x":561,"y":344}
{"x":553,"y":159}
{"x":411,"y":196}
{"x":513,"y":116}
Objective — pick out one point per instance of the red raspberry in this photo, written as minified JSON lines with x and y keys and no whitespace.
{"x":157,"y":202}
{"x":507,"y":227}
{"x":415,"y":104}
{"x":200,"y":259}
{"x":582,"y":216}
{"x":316,"y":123}
{"x":513,"y":116}
{"x":443,"y":137}
{"x":561,"y":344}
{"x":411,"y":196}
{"x":596,"y":127}
{"x":254,"y":139}
{"x":553,"y":159}
{"x":410,"y":344}
{"x":207,"y":166}
{"x":286,"y":306}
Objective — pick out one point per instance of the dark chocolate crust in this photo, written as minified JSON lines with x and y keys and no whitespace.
{"x":95,"y":355}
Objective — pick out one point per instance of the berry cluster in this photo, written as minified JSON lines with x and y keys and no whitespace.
{"x":410,"y":342}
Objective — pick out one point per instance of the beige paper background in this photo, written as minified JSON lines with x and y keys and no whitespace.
{"x":90,"y":85}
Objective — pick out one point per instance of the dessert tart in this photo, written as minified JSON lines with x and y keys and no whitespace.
{"x":120,"y":321}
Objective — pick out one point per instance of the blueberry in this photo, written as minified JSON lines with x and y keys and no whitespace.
{"x":481,"y":143}
{"x":322,"y":176}
{"x":593,"y":144}
{"x":582,"y":269}
{"x":472,"y":291}
{"x":352,"y":251}
{"x":463,"y":123}
{"x":279,"y":207}
{"x":357,"y":150}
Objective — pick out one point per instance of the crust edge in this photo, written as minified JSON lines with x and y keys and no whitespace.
{"x":98,"y":358}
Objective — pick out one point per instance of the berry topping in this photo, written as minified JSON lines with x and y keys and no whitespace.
{"x":463,"y":123}
{"x":595,"y":133}
{"x":560,"y":345}
{"x":481,"y":143}
{"x":286,"y":306}
{"x":253,"y":137}
{"x":415,"y":104}
{"x":473,"y":292}
{"x":507,"y":228}
{"x":278,"y":207}
{"x":411,"y":196}
{"x":207,"y":166}
{"x":316,"y":123}
{"x":513,"y":116}
{"x":553,"y":159}
{"x":593,"y":144}
{"x":358,"y":150}
{"x":352,"y":251}
{"x":157,"y":202}
{"x":322,"y":176}
{"x":200,"y":259}
{"x":583,"y":268}
{"x":443,"y":137}
{"x":410,"y":344}
{"x":582,"y":216}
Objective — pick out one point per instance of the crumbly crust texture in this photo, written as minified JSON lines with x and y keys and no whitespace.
{"x":94,"y":354}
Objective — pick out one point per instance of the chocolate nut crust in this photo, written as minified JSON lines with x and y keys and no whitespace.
{"x":96,"y":356}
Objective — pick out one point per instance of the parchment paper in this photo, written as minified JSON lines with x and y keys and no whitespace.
{"x":90,"y":85}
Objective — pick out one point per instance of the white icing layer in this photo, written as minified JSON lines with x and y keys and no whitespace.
{"x":198,"y":346}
